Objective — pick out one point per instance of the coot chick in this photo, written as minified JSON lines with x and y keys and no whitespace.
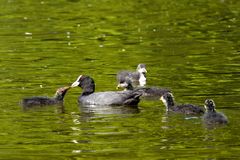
{"x":88,"y":97}
{"x":188,"y":109}
{"x":148,"y":92}
{"x":42,"y":101}
{"x":137,"y":78}
{"x":211,"y":116}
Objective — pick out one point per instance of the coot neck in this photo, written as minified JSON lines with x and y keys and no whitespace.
{"x":129,"y":87}
{"x":59,"y":97}
{"x":211,"y":111}
{"x":170,"y":104}
{"x":88,"y":86}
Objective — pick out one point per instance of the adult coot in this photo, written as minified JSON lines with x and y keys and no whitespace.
{"x":211,"y":116}
{"x":138,"y":78}
{"x":41,"y":101}
{"x":148,"y":92}
{"x":88,"y":97}
{"x":188,"y":109}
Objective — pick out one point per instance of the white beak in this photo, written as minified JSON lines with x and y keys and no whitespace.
{"x":75,"y":84}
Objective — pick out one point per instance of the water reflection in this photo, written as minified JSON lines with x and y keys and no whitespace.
{"x":192,"y":47}
{"x":97,"y":109}
{"x":96,"y":126}
{"x":58,"y":108}
{"x":169,"y":119}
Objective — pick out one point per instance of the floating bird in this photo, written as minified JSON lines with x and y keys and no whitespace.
{"x":89,"y":97}
{"x":211,"y":116}
{"x":138,"y":78}
{"x":147,"y":92}
{"x":188,"y":109}
{"x":41,"y":100}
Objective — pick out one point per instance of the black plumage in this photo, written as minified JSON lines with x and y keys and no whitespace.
{"x":211,"y":116}
{"x":148,"y":92}
{"x":90,"y":97}
{"x":41,"y":100}
{"x":187,"y":109}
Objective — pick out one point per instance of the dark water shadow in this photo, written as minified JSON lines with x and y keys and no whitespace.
{"x":213,"y":126}
{"x":89,"y":113}
{"x":59,"y":108}
{"x":102,"y":109}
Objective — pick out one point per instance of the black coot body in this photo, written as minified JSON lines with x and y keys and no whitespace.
{"x":188,"y":109}
{"x":211,"y":116}
{"x":88,"y":97}
{"x":41,"y":101}
{"x":138,"y":78}
{"x":147,"y":92}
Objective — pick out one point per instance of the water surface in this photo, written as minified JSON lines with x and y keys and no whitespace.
{"x":191,"y":47}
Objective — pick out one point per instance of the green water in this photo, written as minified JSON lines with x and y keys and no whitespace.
{"x":192,"y":47}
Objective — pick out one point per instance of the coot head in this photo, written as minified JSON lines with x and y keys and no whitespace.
{"x":126,"y":84}
{"x":60,"y":93}
{"x":86,"y":83}
{"x":167,"y":99}
{"x":210,"y":105}
{"x":141,"y":68}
